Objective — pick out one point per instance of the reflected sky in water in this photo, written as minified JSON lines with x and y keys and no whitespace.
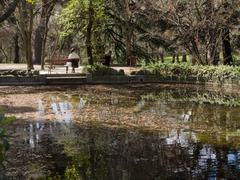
{"x":203,"y":144}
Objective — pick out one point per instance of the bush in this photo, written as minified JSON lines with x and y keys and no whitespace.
{"x":185,"y":70}
{"x":101,"y":70}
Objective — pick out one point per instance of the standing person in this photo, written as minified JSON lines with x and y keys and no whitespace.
{"x":73,"y":58}
{"x":107,"y":59}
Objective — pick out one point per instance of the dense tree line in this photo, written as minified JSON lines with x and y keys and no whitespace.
{"x":207,"y":30}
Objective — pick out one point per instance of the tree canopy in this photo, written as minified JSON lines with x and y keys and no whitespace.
{"x":206,"y":30}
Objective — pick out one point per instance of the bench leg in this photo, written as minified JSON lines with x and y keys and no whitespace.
{"x":66,"y":69}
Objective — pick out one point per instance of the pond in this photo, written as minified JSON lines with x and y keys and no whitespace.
{"x":122,"y":132}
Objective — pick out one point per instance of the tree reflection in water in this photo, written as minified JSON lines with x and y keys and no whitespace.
{"x":106,"y":153}
{"x":204,"y":144}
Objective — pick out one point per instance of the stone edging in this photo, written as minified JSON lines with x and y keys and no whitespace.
{"x":133,"y":79}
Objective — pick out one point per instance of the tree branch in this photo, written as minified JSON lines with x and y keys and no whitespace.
{"x":9,"y":10}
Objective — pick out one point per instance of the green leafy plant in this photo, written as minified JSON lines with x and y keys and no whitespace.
{"x":4,"y":143}
{"x":210,"y":73}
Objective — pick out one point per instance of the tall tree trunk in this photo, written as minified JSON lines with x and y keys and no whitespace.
{"x":42,"y":31}
{"x":213,"y":57}
{"x":29,"y":52}
{"x":89,"y":32}
{"x":38,"y":44}
{"x":184,"y":57}
{"x":128,"y":43}
{"x":29,"y":40}
{"x":162,"y":56}
{"x":213,"y":46}
{"x":196,"y":56}
{"x":128,"y":32}
{"x":173,"y":58}
{"x":4,"y":53}
{"x":227,"y":49}
{"x":43,"y":49}
{"x":26,"y":27}
{"x":16,"y":48}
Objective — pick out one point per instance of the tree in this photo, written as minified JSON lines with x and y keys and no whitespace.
{"x":25,"y":23}
{"x":201,"y":26}
{"x":123,"y":27}
{"x":9,"y":10}
{"x":84,"y":21}
{"x":137,"y":29}
{"x":89,"y":32}
{"x":41,"y":32}
{"x":230,"y":12}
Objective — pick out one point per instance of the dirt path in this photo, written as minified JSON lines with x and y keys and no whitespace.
{"x":58,"y":69}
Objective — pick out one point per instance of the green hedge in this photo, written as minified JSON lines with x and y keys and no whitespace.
{"x":185,"y":70}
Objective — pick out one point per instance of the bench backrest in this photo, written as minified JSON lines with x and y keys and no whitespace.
{"x":58,"y":61}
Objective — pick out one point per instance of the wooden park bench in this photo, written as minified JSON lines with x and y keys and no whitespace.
{"x":56,"y":61}
{"x":60,"y":61}
{"x":51,"y":63}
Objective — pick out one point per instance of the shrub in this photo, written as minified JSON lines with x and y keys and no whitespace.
{"x":101,"y":70}
{"x":186,"y":70}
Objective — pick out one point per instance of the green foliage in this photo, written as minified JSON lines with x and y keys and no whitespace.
{"x":4,"y":144}
{"x":31,"y":1}
{"x":72,"y":173}
{"x":186,"y":70}
{"x":101,"y":70}
{"x":73,"y":22}
{"x":195,"y":97}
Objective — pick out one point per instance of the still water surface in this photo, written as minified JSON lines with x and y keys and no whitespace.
{"x":125,"y":133}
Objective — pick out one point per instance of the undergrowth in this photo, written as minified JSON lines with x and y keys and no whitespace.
{"x":186,"y":70}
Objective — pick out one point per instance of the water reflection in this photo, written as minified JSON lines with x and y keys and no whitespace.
{"x":113,"y":153}
{"x":34,"y":132}
{"x":40,"y":111}
{"x":82,"y":103}
{"x":62,"y":110}
{"x":204,"y":144}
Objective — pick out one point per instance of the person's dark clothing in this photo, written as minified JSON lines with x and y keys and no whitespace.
{"x":75,"y":63}
{"x":107,"y":60}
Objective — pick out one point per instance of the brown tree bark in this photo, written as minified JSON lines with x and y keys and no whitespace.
{"x":38,"y":44}
{"x":128,"y":43}
{"x":227,"y":49}
{"x":9,"y":10}
{"x":42,"y":31}
{"x":184,"y":57}
{"x":26,"y":28}
{"x":16,"y":48}
{"x":128,"y":31}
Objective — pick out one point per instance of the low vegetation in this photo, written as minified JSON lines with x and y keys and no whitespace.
{"x":19,"y":73}
{"x":4,"y":143}
{"x":186,"y":70}
{"x":101,"y":70}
